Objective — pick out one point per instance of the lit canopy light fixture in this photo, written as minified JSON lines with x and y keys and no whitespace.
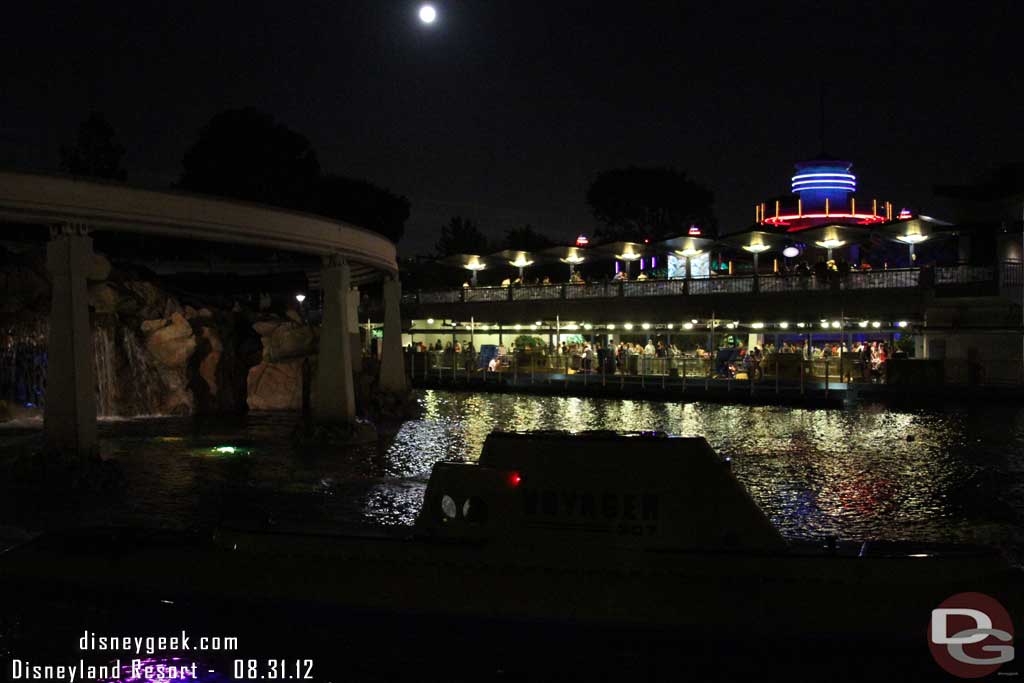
{"x":669,"y":326}
{"x":610,"y":326}
{"x":876,"y":324}
{"x":689,"y":252}
{"x":902,"y":323}
{"x":628,"y":256}
{"x":830,"y":244}
{"x":836,"y":324}
{"x":646,"y":326}
{"x":573,"y":259}
{"x":588,"y":326}
{"x":801,"y":325}
{"x":790,"y":252}
{"x":521,"y":262}
{"x":914,"y":238}
{"x":694,"y":321}
{"x":784,"y":326}
{"x":731,"y":326}
{"x":475,"y":266}
{"x":688,"y":326}
{"x":430,"y":321}
{"x":757,"y":326}
{"x":756,"y":248}
{"x":533,"y":327}
{"x":518,"y":326}
{"x":863,"y":323}
{"x":628,"y":326}
{"x":538,"y":323}
{"x":300,"y":297}
{"x":824,"y":324}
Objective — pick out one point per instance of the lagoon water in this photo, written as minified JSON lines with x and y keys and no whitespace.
{"x":866,"y":472}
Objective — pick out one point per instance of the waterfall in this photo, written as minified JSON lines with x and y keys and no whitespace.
{"x":23,"y":362}
{"x":127,"y":383}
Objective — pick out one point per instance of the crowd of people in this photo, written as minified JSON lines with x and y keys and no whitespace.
{"x":867,"y":358}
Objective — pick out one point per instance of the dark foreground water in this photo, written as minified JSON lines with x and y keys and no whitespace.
{"x":879,"y":472}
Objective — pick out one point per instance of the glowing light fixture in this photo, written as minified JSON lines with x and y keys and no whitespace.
{"x":876,"y":324}
{"x":430,"y":321}
{"x":628,"y":256}
{"x":646,"y":326}
{"x":573,"y":259}
{"x":611,"y":326}
{"x":790,"y":252}
{"x":588,"y":326}
{"x":689,"y":252}
{"x":831,"y":243}
{"x":521,"y":262}
{"x":669,"y":326}
{"x":628,"y":326}
{"x":518,"y":326}
{"x":836,"y":324}
{"x":914,"y":238}
{"x":756,"y":248}
{"x":538,"y":323}
{"x":784,"y":326}
{"x":300,"y":297}
{"x":533,"y":327}
{"x":757,"y":326}
{"x":688,"y":326}
{"x":863,"y":323}
{"x":824,"y":324}
{"x":801,"y":325}
{"x":902,"y":323}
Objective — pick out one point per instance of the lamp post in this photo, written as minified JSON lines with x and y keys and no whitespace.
{"x":627,"y":258}
{"x":572,"y":260}
{"x":756,"y":249}
{"x":688,"y":254}
{"x":521,"y":263}
{"x":475,"y":267}
{"x":910,"y":240}
{"x":830,"y":244}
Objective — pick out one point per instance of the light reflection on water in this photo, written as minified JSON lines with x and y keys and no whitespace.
{"x":865,"y":472}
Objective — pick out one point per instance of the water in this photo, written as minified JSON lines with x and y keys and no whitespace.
{"x":868,"y":472}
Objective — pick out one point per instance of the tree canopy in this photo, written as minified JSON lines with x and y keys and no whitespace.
{"x":461,"y":236}
{"x":362,"y":203}
{"x":246,"y":154}
{"x":637,"y":203}
{"x":95,"y":153}
{"x":526,"y":238}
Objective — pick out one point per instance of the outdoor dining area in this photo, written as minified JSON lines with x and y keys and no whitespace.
{"x":816,"y":257}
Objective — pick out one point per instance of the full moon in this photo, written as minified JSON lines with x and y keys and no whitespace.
{"x":428,"y":14}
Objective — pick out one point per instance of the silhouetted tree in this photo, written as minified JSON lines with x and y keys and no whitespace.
{"x":526,"y":238}
{"x":95,"y":152}
{"x":461,"y":236}
{"x":636,"y":203}
{"x":246,"y":154}
{"x":362,"y":203}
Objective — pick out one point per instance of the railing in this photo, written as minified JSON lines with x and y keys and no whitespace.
{"x":598,"y":290}
{"x":486,"y":293}
{"x":792,"y":283}
{"x":1010,"y":274}
{"x":881,"y":279}
{"x":722,"y":285}
{"x":960,"y":275}
{"x":653,"y":287}
{"x":537,"y":292}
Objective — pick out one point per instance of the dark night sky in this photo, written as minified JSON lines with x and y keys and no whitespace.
{"x":504,"y":111}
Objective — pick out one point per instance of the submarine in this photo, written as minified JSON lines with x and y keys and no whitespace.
{"x":554,"y":532}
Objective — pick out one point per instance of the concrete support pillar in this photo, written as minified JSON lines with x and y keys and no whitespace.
{"x":392,"y":362}
{"x":334,"y":395}
{"x":69,"y":419}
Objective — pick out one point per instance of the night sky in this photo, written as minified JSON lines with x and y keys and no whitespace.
{"x":504,"y":111}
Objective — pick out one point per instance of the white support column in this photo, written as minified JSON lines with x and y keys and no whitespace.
{"x":69,"y":418}
{"x":334,"y":394}
{"x":392,"y":362}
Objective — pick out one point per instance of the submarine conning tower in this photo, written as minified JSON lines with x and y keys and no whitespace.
{"x":567,"y":491}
